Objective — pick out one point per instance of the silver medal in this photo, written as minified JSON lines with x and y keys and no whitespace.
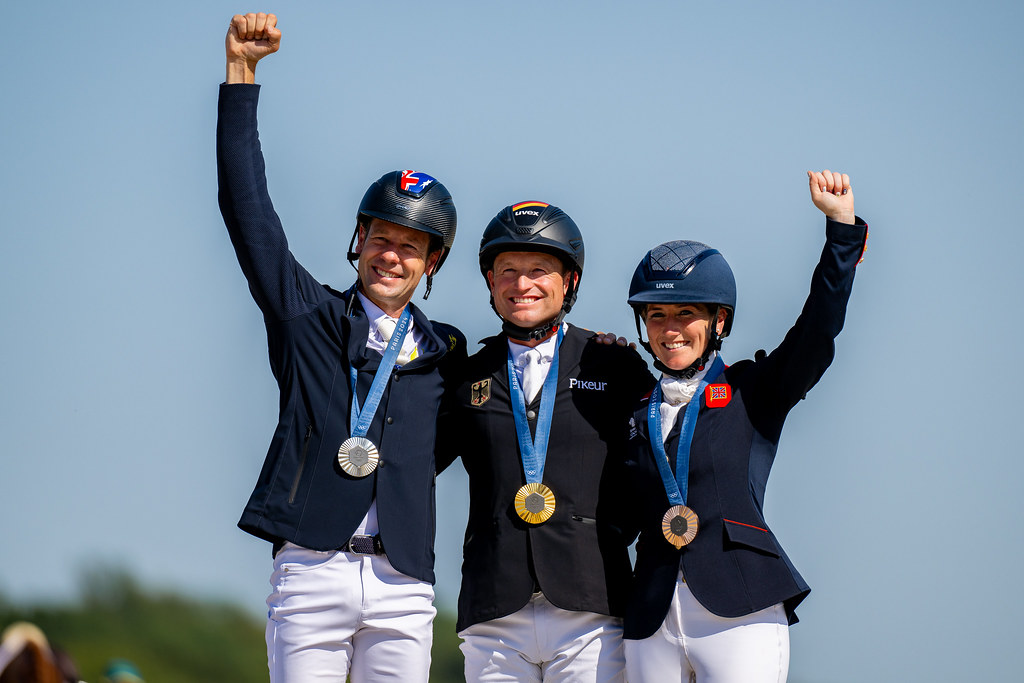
{"x":358,"y":456}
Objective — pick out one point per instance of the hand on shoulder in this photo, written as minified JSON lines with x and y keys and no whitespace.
{"x":609,"y":338}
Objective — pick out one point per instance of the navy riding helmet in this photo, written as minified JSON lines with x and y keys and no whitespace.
{"x":684,"y":272}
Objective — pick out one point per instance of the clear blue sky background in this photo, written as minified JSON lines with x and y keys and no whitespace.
{"x":137,"y":402}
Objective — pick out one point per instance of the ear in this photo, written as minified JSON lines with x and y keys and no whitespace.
{"x":432,"y":260}
{"x":490,"y":280}
{"x":573,"y":278}
{"x":362,"y":238}
{"x":720,"y":323}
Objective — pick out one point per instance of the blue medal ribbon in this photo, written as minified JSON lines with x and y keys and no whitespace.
{"x":534,"y":450}
{"x":360,"y":420}
{"x":675,"y":484}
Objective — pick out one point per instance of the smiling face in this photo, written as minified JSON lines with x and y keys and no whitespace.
{"x":392,"y":259}
{"x":528,"y":287}
{"x":678,"y":333}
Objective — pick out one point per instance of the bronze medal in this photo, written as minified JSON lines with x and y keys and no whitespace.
{"x":679,"y":525}
{"x":358,"y":456}
{"x":535,"y":503}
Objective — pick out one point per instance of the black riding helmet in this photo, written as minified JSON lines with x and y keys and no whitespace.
{"x":684,"y":272}
{"x":414,"y":200}
{"x":535,"y":226}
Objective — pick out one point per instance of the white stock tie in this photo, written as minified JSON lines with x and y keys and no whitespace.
{"x":533,"y":373}
{"x":678,"y":392}
{"x":385,"y":328}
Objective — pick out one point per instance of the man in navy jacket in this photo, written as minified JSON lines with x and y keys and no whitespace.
{"x":346,"y":493}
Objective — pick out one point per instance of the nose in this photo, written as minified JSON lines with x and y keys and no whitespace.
{"x":672,"y":325}
{"x":523,"y":282}
{"x":390,"y":254}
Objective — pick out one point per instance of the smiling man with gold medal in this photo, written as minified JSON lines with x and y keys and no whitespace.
{"x":534,"y":419}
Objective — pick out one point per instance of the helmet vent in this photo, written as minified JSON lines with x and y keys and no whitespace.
{"x":676,"y":256}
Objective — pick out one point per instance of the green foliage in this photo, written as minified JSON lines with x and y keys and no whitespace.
{"x":446,"y":664}
{"x":175,"y":639}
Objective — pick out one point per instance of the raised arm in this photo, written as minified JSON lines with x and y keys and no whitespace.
{"x":808,"y":348}
{"x":281,"y":287}
{"x":251,"y":37}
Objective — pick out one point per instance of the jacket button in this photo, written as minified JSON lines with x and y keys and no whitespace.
{"x":397,"y":377}
{"x":390,"y":420}
{"x":531,"y":415}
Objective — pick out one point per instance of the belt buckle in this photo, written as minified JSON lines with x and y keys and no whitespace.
{"x":362,"y":544}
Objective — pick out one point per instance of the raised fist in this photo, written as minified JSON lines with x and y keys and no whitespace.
{"x":832,"y":194}
{"x":251,"y":37}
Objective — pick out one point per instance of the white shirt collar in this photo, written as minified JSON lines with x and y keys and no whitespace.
{"x":375,"y":341}
{"x":375,"y":312}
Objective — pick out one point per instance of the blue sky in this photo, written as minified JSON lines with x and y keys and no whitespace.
{"x":137,"y":401}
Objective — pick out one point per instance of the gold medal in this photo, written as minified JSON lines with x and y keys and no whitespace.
{"x":679,"y":525}
{"x":535,"y":503}
{"x":358,"y":456}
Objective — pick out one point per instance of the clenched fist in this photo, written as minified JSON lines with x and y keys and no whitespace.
{"x":832,"y":194}
{"x":250,"y":38}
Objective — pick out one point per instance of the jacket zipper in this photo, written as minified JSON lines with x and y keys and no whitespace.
{"x":302,"y":465}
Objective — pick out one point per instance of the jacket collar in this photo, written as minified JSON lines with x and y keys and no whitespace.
{"x":360,"y":330}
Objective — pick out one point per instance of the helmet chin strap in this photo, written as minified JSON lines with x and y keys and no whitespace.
{"x":527,"y":334}
{"x":353,"y":256}
{"x":430,"y":277}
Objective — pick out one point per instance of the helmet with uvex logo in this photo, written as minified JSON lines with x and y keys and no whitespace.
{"x":684,"y":272}
{"x":536,"y":226}
{"x":414,"y":200}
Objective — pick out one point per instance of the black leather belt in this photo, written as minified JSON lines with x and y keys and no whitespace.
{"x":362,"y":544}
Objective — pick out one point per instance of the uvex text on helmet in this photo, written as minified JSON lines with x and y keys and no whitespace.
{"x":532,"y":226}
{"x":415,"y":200}
{"x":684,"y":272}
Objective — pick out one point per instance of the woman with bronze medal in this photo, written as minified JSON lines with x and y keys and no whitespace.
{"x":713,"y":592}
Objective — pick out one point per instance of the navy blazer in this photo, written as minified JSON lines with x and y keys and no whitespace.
{"x":579,"y":557}
{"x":735,"y":565}
{"x":315,"y":335}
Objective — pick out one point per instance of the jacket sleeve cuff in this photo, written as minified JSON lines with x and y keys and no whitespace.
{"x":855,"y":234}
{"x":239,"y":91}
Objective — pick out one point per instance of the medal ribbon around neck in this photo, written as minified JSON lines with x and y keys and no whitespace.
{"x":676,"y":484}
{"x":535,"y":503}
{"x":358,"y":455}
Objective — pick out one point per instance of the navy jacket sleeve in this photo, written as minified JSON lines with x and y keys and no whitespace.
{"x":281,"y":287}
{"x":796,"y":365}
